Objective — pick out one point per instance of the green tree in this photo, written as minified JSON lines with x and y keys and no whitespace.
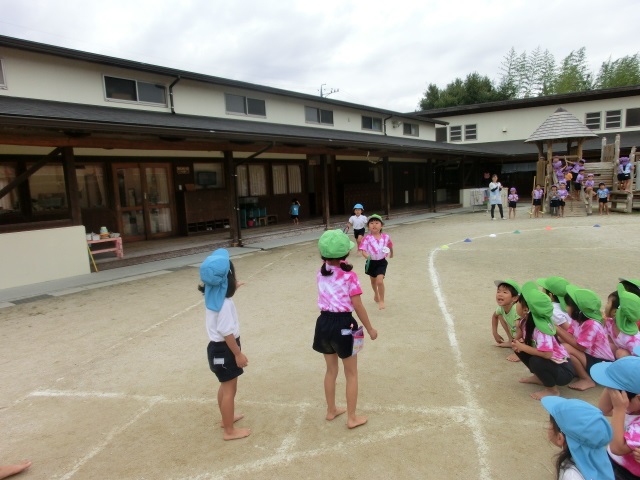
{"x":622,"y":72}
{"x":573,"y":75}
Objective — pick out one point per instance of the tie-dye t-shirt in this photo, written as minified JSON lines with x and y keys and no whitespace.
{"x":622,"y":340}
{"x":375,"y":246}
{"x":593,"y":337}
{"x":632,"y":438}
{"x":335,"y":291}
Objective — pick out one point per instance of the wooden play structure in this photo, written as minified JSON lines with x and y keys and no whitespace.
{"x":562,"y":127}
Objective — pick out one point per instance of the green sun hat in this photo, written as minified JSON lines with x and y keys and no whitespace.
{"x":557,"y":286}
{"x":628,"y":313}
{"x":375,"y":216}
{"x":540,"y":308}
{"x":587,"y":301}
{"x":334,"y":244}
{"x":508,"y":282}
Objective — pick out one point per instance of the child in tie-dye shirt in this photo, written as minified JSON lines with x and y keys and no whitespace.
{"x":338,"y":296}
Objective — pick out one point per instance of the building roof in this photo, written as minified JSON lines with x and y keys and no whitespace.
{"x":79,"y":120}
{"x":560,"y":126}
{"x":43,"y":48}
{"x":502,"y":105}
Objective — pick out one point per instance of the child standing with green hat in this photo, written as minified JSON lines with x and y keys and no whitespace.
{"x":376,"y":247}
{"x":339,"y":294}
{"x":505,"y":314}
{"x":621,"y":314}
{"x":589,"y":343}
{"x":537,"y":346}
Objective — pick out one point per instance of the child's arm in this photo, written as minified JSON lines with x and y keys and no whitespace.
{"x":356,"y":301}
{"x":620,"y":402}
{"x":241,"y":359}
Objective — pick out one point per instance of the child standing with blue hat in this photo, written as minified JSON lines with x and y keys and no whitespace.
{"x":536,"y":344}
{"x":339,"y":294}
{"x":583,"y":433}
{"x":226,"y":359}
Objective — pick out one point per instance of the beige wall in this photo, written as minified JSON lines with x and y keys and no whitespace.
{"x":42,"y":255}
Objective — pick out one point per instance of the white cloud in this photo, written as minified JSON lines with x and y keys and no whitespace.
{"x":375,"y":52}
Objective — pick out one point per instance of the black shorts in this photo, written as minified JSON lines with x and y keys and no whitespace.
{"x":376,"y":267}
{"x":603,"y":200}
{"x":222,"y":361}
{"x":333,"y":333}
{"x":358,"y":232}
{"x":591,"y":361}
{"x":512,"y":204}
{"x":537,"y":201}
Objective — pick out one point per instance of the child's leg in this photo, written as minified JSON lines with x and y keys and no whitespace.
{"x":380,"y":284}
{"x":8,"y":470}
{"x":351,"y":374}
{"x":374,"y":285}
{"x":579,"y":362}
{"x":330,"y":378}
{"x":226,"y":399}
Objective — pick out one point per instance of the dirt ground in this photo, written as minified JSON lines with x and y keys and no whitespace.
{"x":114,"y":382}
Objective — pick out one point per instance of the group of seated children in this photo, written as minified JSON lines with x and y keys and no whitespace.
{"x":558,"y":331}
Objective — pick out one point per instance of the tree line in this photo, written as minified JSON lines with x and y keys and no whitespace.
{"x":534,"y":74}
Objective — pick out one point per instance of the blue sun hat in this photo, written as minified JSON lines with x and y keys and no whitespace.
{"x":214,"y":273}
{"x":623,"y":374}
{"x":587,"y":433}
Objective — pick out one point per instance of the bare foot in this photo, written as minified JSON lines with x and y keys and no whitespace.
{"x":237,"y":433}
{"x":356,"y":421}
{"x":337,"y":412}
{"x":513,"y":358}
{"x":545,"y":393}
{"x":583,"y":384}
{"x":381,"y":306}
{"x":8,"y":470}
{"x":236,"y":417}
{"x":532,"y":379}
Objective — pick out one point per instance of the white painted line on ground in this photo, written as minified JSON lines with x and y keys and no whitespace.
{"x":475,"y":418}
{"x":108,"y":283}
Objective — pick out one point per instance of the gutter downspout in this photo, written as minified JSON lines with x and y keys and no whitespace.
{"x":173,"y":84}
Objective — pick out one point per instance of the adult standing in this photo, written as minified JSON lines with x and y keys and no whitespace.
{"x":495,"y":196}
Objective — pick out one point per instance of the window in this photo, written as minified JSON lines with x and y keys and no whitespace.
{"x":441,"y":134}
{"x":592,"y":121}
{"x":455,"y":134}
{"x":317,"y":115}
{"x":372,"y":123}
{"x":613,"y":119}
{"x":410,"y":129}
{"x":470,"y":132}
{"x":286,"y":179}
{"x":245,"y":105}
{"x":3,"y":82}
{"x":633,"y":117}
{"x":134,"y":91}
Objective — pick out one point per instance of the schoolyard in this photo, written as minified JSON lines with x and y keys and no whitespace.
{"x":114,"y":382}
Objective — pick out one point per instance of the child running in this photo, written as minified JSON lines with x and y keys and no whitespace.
{"x":589,"y":343}
{"x":604,"y":196}
{"x":582,"y":432}
{"x":621,"y":401}
{"x":376,"y":247}
{"x":621,"y":314}
{"x":338,"y":296}
{"x":507,"y":294}
{"x":536,"y":344}
{"x":358,"y":221}
{"x":513,"y":202}
{"x":226,"y":359}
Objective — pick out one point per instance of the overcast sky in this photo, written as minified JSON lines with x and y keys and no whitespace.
{"x":377,"y":53}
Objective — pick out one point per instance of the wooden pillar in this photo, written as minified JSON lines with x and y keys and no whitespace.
{"x":387,"y":186}
{"x":324,"y":160}
{"x":71,"y":181}
{"x":232,"y":198}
